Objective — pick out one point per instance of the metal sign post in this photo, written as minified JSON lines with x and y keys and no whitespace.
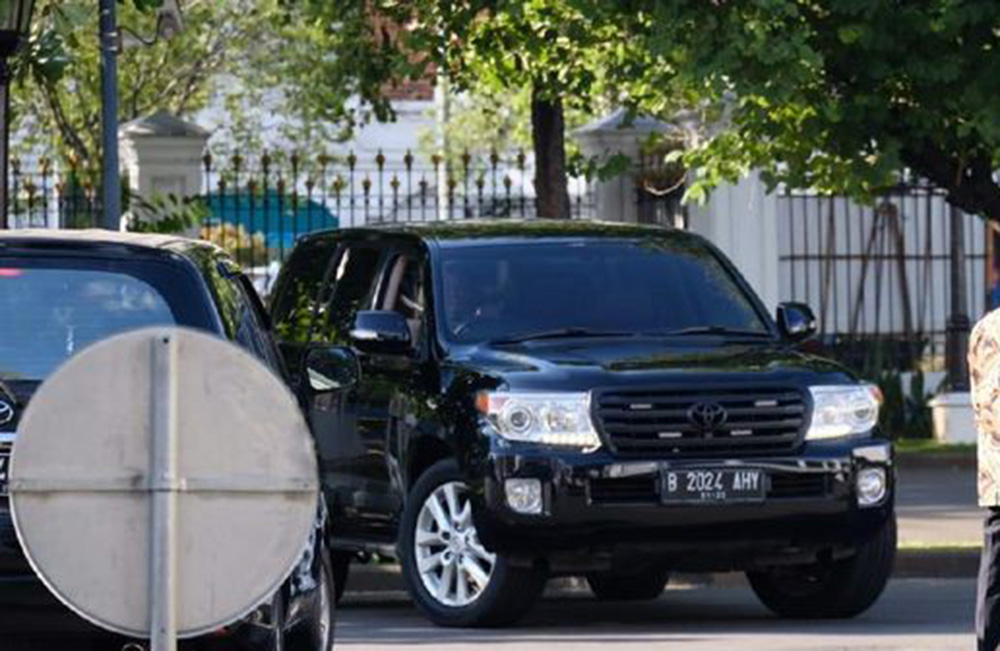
{"x":106,"y":494}
{"x":164,"y":483}
{"x":111,"y":198}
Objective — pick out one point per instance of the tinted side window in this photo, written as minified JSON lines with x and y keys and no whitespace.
{"x":350,"y":290}
{"x":252,"y":332}
{"x":227,"y":299}
{"x":402,"y":290}
{"x":297,"y":295}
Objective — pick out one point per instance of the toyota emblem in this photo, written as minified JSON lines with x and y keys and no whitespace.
{"x":707,"y":415}
{"x":6,"y":412}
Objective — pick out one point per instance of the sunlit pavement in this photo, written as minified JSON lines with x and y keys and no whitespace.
{"x":937,"y":506}
{"x":913,"y":614}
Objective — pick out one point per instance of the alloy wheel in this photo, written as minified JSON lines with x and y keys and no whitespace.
{"x":455,"y":569}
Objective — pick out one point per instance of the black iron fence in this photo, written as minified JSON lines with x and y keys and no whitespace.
{"x":359,"y":188}
{"x":44,"y":195}
{"x":879,"y":276}
{"x":257,"y":205}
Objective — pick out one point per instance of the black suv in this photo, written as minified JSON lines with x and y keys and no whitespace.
{"x":61,"y":291}
{"x":502,"y":402}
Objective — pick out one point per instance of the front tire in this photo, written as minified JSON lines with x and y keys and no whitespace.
{"x":451,"y":577}
{"x":832,"y":590}
{"x":316,"y":631}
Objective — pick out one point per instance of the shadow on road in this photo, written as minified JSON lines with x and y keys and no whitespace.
{"x":913,"y":614}
{"x":930,"y":609}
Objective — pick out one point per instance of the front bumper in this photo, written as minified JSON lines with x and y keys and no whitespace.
{"x":602,"y":509}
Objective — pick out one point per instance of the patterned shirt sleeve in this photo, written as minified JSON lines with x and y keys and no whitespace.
{"x":984,"y":360}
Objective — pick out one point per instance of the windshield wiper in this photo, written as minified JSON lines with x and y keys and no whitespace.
{"x":561,"y":333}
{"x":715,"y":330}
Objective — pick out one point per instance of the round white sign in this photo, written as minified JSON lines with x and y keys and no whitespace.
{"x":163,"y":480}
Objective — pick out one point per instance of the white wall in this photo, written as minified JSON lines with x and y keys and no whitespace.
{"x":742,"y":220}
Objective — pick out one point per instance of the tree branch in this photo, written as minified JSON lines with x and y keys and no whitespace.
{"x":970,"y":186}
{"x":69,"y":134}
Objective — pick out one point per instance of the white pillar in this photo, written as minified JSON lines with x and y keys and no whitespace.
{"x":162,"y":155}
{"x":616,"y":199}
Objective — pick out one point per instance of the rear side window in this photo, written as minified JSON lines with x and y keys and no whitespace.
{"x":350,"y":290}
{"x":51,"y":312}
{"x":297,"y":296}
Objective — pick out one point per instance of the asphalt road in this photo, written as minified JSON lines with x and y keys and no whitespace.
{"x":914,"y":614}
{"x":937,"y":506}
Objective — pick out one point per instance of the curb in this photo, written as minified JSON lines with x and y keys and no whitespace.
{"x":910,"y":564}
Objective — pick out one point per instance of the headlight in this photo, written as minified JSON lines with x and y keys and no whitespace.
{"x":548,"y":418}
{"x":843,"y":410}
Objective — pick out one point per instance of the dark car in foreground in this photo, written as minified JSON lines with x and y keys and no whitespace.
{"x":61,"y":291}
{"x":500,"y":403}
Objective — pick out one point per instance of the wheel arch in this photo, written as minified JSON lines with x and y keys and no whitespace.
{"x":423,"y":453}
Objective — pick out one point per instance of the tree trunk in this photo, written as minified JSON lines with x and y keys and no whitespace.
{"x":969,"y":184}
{"x":548,"y":130}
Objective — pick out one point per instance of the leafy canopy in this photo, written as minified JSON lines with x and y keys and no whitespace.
{"x":57,"y":94}
{"x":838,"y":95}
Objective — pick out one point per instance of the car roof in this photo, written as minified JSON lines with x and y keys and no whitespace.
{"x":475,"y":229}
{"x":99,"y":241}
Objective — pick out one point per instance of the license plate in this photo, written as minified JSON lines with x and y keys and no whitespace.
{"x":710,"y":485}
{"x":4,"y":470}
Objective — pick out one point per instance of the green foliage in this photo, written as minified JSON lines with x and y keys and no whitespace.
{"x":560,"y":56}
{"x":905,"y":413}
{"x":837,"y":95}
{"x":167,"y":214}
{"x":57,"y":94}
{"x":235,"y":240}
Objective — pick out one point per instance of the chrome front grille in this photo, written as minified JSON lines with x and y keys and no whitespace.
{"x":687,"y":421}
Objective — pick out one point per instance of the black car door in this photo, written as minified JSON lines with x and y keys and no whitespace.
{"x":392,"y":393}
{"x":349,"y":424}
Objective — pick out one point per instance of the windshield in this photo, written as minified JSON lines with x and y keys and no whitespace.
{"x":506,"y":291}
{"x":48,"y":314}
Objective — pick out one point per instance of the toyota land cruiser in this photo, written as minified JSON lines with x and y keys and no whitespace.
{"x":498,"y":403}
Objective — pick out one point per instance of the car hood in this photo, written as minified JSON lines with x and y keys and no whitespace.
{"x":587,"y":363}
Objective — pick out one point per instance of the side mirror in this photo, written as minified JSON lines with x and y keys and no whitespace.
{"x":796,"y":321}
{"x":381,"y":332}
{"x":331,"y":368}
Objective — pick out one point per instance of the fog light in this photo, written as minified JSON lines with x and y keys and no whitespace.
{"x":524,"y":495}
{"x":872,"y":486}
